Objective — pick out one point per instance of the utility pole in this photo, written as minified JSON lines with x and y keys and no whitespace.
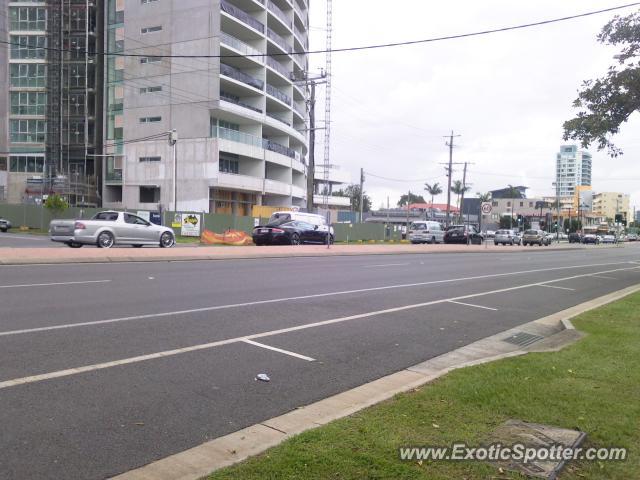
{"x":173,"y":142}
{"x":361,"y":193}
{"x":311,"y":169}
{"x":449,"y":172}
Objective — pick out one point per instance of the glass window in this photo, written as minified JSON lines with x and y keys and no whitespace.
{"x":26,"y":164}
{"x":28,"y":46}
{"x":28,"y":103}
{"x":149,"y":194}
{"x":228,"y":164}
{"x":28,"y":18}
{"x":27,"y":131}
{"x":28,"y":75}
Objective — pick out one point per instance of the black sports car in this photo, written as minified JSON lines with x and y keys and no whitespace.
{"x":289,"y":233}
{"x":463,"y":234}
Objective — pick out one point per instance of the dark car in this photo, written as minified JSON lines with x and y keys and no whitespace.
{"x":463,"y":234}
{"x":575,"y":238}
{"x":590,"y":238}
{"x":289,"y":233}
{"x":4,"y":224}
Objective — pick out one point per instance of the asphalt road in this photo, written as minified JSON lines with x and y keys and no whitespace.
{"x":166,"y":364}
{"x":25,"y":240}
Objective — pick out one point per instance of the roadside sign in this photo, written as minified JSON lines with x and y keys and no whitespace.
{"x":177,"y":221}
{"x":190,"y":225}
{"x":486,"y":208}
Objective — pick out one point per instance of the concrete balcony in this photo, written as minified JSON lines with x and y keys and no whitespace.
{"x":277,"y":188}
{"x":240,"y":182}
{"x":298,"y":192}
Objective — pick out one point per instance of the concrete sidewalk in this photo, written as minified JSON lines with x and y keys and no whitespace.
{"x":27,"y":256}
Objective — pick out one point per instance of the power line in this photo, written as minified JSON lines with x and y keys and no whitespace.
{"x":414,"y":180}
{"x":347,"y":49}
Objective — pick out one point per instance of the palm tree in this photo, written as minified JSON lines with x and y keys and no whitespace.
{"x":484,"y":197}
{"x":459,"y":190}
{"x":433,"y":190}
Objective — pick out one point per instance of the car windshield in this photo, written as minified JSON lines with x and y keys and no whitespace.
{"x":531,"y":232}
{"x":418,"y":226}
{"x":278,"y":218}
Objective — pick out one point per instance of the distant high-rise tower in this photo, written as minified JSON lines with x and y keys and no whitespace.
{"x":573,"y":169}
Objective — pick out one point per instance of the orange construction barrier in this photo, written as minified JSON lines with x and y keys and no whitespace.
{"x":230,"y":237}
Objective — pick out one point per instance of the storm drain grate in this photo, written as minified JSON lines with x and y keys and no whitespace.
{"x":523,"y":339}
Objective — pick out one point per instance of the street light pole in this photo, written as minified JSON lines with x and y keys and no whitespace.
{"x":173,"y":142}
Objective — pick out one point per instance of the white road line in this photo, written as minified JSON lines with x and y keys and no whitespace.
{"x":280,"y":350}
{"x":289,"y":299}
{"x":603,"y":277}
{"x":555,"y":286}
{"x":387,"y":265}
{"x":54,"y":284}
{"x":205,"y":346}
{"x":19,"y":237}
{"x":473,"y":305}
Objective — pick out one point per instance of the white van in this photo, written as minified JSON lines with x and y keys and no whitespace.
{"x":312,"y":218}
{"x":426,"y":232}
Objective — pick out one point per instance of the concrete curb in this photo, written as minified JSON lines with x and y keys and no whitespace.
{"x":289,"y":254}
{"x":200,"y":461}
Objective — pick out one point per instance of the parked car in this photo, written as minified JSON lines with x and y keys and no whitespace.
{"x":463,"y":234}
{"x":531,"y":237}
{"x":426,"y":232}
{"x":591,"y":238}
{"x":575,"y":238}
{"x":294,"y":232}
{"x":4,"y":224}
{"x":632,"y":237}
{"x":609,"y":239}
{"x":506,"y":237}
{"x":489,"y":234}
{"x":312,"y":218}
{"x":110,"y":228}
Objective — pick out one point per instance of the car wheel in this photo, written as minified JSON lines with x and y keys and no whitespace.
{"x":295,"y":239}
{"x":137,"y":246}
{"x":3,"y":229}
{"x":331,"y":240}
{"x":167,"y":240}
{"x":105,"y":240}
{"x":74,"y":245}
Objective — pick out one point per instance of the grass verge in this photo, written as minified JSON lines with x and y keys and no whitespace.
{"x":593,"y":386}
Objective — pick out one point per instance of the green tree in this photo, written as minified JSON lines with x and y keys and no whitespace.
{"x":353,"y":193}
{"x":572,"y":226}
{"x":433,"y":190}
{"x":459,"y":190}
{"x":607,"y":102}
{"x":56,"y":204}
{"x":484,"y":197}
{"x":413,"y":199}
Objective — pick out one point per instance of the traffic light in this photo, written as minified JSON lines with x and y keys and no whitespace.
{"x":619,"y":218}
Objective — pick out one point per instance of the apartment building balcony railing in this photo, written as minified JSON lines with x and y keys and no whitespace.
{"x":239,"y":75}
{"x":298,"y":110}
{"x":276,"y":117}
{"x":241,"y":15}
{"x":228,"y":97}
{"x":278,"y":67}
{"x":301,"y":35}
{"x":239,"y":45}
{"x":273,"y":8}
{"x":114,"y":176}
{"x":279,"y":94}
{"x":297,"y":8}
{"x":278,"y":40}
{"x":252,"y":140}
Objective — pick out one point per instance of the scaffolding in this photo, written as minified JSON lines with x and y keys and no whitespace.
{"x":73,"y":99}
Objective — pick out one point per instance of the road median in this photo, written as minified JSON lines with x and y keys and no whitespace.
{"x":26,"y":256}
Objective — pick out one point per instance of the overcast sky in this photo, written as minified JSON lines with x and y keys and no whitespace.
{"x":506,"y":94}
